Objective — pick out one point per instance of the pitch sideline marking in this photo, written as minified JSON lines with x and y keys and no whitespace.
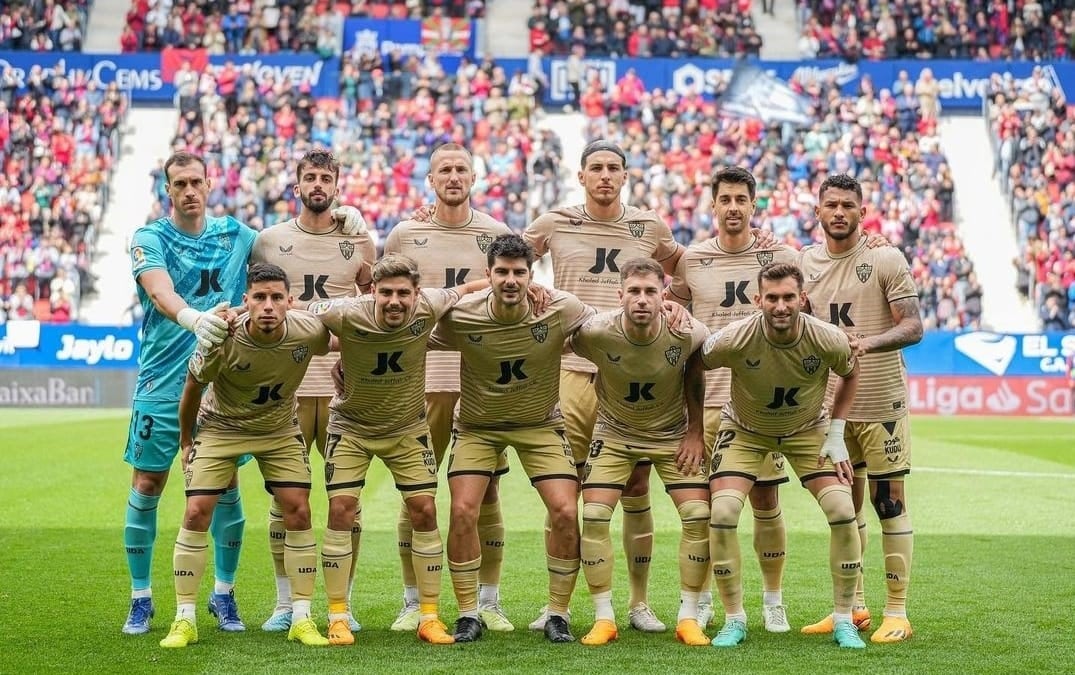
{"x":991,"y":472}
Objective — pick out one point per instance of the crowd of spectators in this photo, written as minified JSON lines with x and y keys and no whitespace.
{"x":884,"y":136}
{"x":1036,"y":30}
{"x":58,"y":141}
{"x":1033,"y":133}
{"x":43,"y":25}
{"x":382,"y":127}
{"x":644,"y":28}
{"x":267,"y":26}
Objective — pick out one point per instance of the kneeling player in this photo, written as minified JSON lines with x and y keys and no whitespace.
{"x":780,"y":362}
{"x":650,"y":389}
{"x":249,"y":407}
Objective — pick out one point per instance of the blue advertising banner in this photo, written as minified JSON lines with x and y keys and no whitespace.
{"x":141,"y":74}
{"x":962,"y":83}
{"x":451,"y":37}
{"x":32,"y":344}
{"x":985,"y":353}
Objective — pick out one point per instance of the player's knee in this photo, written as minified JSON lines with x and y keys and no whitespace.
{"x":149,"y":483}
{"x":595,"y":520}
{"x":199,"y":512}
{"x":464,"y":516}
{"x":423,"y":513}
{"x":888,"y":503}
{"x":836,"y":503}
{"x":694,"y":515}
{"x":341,"y":512}
{"x":765,"y":497}
{"x":638,"y":483}
{"x":725,"y":507}
{"x":564,"y":515}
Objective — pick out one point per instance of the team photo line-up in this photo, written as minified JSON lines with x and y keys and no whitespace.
{"x":261,"y":345}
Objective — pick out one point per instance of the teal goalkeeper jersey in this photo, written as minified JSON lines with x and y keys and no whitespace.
{"x":205,"y":270}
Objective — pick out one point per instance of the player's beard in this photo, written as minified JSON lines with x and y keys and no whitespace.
{"x":453,"y":199}
{"x":309,"y":204}
{"x":840,"y":235}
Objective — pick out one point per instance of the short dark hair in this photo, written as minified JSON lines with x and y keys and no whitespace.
{"x":602,"y":145}
{"x":396,"y":265}
{"x":181,"y":159}
{"x":510,"y":246}
{"x":779,"y":272}
{"x":840,"y":181}
{"x":318,"y":158}
{"x":450,"y":147}
{"x":639,"y":267}
{"x":262,"y":272}
{"x":733,"y":175}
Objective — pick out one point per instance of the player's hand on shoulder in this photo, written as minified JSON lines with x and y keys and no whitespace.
{"x":210,"y":328}
{"x":877,"y":241}
{"x":424,"y":213}
{"x":540,"y":298}
{"x":679,"y":319}
{"x":763,"y":238}
{"x":350,"y":221}
{"x":859,"y":346}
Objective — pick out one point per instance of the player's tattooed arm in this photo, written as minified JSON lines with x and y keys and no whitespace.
{"x":189,"y":403}
{"x":907,"y":331}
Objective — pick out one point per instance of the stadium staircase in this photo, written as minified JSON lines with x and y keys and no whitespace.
{"x":779,"y":33}
{"x":107,"y":19}
{"x":146,"y":141}
{"x":505,"y":31}
{"x":984,"y":222}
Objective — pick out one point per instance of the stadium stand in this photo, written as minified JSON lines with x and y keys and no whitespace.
{"x":266,"y":26}
{"x":643,"y":28}
{"x":43,"y":27}
{"x":977,"y":29}
{"x":674,"y":143}
{"x":1031,"y":126}
{"x":58,"y":142}
{"x":383,"y":128}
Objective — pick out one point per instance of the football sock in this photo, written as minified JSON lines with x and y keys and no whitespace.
{"x":688,"y":605}
{"x":403,"y":536}
{"x":602,"y":605}
{"x":300,"y":560}
{"x":562,"y":576}
{"x":770,"y":543}
{"x":637,"y":544}
{"x":491,"y":535}
{"x":356,"y":542}
{"x":897,"y":542}
{"x":726,"y":506}
{"x":465,"y":582}
{"x":427,"y":556}
{"x":693,"y":547}
{"x":188,"y":563}
{"x":860,"y":587}
{"x":139,"y":533}
{"x":276,"y":549}
{"x":596,"y":547}
{"x":336,"y":557}
{"x":227,"y":530}
{"x":844,"y":561}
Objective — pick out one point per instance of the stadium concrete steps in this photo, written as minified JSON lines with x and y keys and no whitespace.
{"x":504,"y":32}
{"x":107,"y":19}
{"x":984,"y":222}
{"x":146,"y":141}
{"x":779,"y":33}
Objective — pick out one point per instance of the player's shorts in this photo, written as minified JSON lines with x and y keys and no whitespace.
{"x":578,"y":405}
{"x":742,"y":453}
{"x":284,"y":461}
{"x":772,"y":470}
{"x":882,"y":449}
{"x":610,"y":463}
{"x":543,"y":452}
{"x":440,"y":414}
{"x":313,"y":419}
{"x":407,"y":456}
{"x":153,"y":437}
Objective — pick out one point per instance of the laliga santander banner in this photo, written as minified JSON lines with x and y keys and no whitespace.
{"x":1010,"y":396}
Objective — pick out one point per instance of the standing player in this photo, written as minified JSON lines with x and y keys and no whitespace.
{"x":588,"y":242}
{"x":869,"y":293}
{"x":780,"y":362}
{"x":451,"y":245}
{"x":249,"y":407}
{"x":312,"y":248}
{"x":650,"y":390}
{"x":718,"y":278}
{"x":383,"y":341}
{"x":186,"y":266}
{"x":509,"y":394}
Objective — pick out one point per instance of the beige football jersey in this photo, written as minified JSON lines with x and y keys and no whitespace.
{"x":720,"y":286}
{"x":778,"y":390}
{"x":586,"y":254}
{"x":319,"y":266}
{"x":510,"y":372}
{"x":853,"y":291}
{"x":640,"y":397}
{"x":252,"y":387}
{"x":384,"y":370}
{"x":446,"y":257}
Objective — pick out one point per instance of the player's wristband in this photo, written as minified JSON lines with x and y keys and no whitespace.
{"x":187,"y":318}
{"x":836,"y":428}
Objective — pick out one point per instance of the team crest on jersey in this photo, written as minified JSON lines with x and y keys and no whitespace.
{"x":540,"y":331}
{"x":672,"y":354}
{"x":811,"y":364}
{"x":574,"y":222}
{"x":706,"y":262}
{"x":864,"y":271}
{"x":637,"y":228}
{"x":299,"y":353}
{"x":483,"y":241}
{"x":330,"y":468}
{"x":418,"y":327}
{"x":764,"y":258}
{"x":714,"y":463}
{"x":225,"y":241}
{"x":197,"y":361}
{"x":138,"y":256}
{"x":347,"y":249}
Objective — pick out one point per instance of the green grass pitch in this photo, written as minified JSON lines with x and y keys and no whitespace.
{"x":993,"y":583}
